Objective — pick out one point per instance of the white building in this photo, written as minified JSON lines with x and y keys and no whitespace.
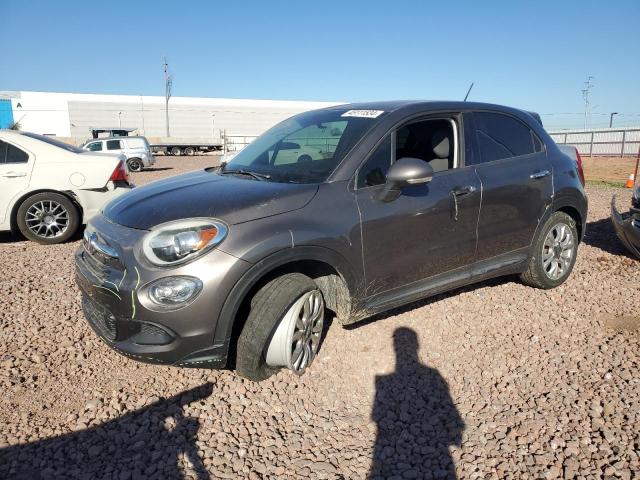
{"x":71,"y":115}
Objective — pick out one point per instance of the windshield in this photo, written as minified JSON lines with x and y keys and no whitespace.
{"x":306,"y":148}
{"x":51,"y":141}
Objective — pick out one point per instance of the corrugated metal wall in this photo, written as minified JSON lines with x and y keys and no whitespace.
{"x":186,"y":121}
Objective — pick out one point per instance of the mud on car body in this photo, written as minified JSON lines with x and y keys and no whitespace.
{"x":240,"y":264}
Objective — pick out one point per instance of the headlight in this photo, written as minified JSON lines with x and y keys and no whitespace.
{"x":176,"y":242}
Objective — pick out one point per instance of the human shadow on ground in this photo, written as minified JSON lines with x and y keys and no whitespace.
{"x":145,"y":443}
{"x":601,"y":234}
{"x":416,"y":418}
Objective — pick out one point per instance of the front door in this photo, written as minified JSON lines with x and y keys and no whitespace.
{"x":15,"y":172}
{"x":429,"y":229}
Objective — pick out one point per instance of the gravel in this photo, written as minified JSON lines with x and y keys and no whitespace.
{"x":496,"y":380}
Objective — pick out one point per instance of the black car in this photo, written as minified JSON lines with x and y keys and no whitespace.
{"x":627,"y":224}
{"x":353,"y":209}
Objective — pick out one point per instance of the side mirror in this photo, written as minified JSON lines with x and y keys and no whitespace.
{"x":403,"y":173}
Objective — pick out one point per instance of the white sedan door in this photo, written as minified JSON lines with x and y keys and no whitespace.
{"x":15,"y":172}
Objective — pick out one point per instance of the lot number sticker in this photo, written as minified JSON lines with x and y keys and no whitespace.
{"x":363,"y":113}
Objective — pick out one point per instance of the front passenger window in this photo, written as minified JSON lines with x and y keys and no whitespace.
{"x":95,"y":147}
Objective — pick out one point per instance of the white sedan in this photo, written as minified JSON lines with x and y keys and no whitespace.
{"x":48,"y":189}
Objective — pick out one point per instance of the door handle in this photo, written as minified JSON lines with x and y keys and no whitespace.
{"x":13,"y":174}
{"x":460,"y":191}
{"x":539,"y":174}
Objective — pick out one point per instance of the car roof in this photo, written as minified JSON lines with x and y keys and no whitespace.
{"x":427,"y":105}
{"x":114,"y":138}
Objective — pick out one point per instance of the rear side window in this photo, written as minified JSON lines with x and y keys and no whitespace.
{"x":114,"y":145}
{"x":11,"y":154}
{"x":500,"y":136}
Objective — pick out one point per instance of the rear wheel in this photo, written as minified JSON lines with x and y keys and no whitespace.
{"x":48,"y":218}
{"x":189,"y":151}
{"x":175,"y":151}
{"x":283,"y":329}
{"x":554,"y":253}
{"x":134,"y":164}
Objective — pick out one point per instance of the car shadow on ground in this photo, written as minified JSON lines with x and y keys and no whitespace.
{"x":601,"y":234}
{"x":145,"y":443}
{"x":416,"y":418}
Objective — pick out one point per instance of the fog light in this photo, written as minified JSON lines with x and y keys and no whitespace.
{"x":171,"y":291}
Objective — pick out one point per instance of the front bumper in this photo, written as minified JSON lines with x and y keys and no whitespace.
{"x":627,"y":227}
{"x":115,"y":304}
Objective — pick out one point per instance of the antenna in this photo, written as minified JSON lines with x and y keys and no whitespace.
{"x":168,"y":83}
{"x":586,"y":91}
{"x":468,"y":92}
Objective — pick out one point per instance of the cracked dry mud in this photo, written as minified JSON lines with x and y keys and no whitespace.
{"x":496,"y":380}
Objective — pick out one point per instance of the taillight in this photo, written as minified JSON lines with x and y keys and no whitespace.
{"x":580,"y":170}
{"x":120,"y":173}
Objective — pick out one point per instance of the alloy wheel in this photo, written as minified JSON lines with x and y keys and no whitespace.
{"x":47,"y":219}
{"x":295,"y":343}
{"x":557,"y":251}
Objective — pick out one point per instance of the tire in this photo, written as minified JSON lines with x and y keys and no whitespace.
{"x":176,"y":151}
{"x":135,"y":164}
{"x":304,"y":158}
{"x":266,"y":342}
{"x":189,"y":151}
{"x":48,"y":218}
{"x":554,"y":253}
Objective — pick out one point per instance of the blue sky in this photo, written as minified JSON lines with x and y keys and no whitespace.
{"x":534,"y":55}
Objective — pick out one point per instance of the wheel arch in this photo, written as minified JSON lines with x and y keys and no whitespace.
{"x":577,"y":217}
{"x":327,"y":268}
{"x":16,"y":205}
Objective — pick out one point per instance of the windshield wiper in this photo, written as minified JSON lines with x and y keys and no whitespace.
{"x":257,"y":176}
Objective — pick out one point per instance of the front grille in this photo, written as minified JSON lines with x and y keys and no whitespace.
{"x":101,"y":319}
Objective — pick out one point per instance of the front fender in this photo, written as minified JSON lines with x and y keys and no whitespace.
{"x":268,"y":264}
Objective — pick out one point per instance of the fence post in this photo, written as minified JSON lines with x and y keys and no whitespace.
{"x":224,"y":141}
{"x":624,"y":134}
{"x":591,"y":145}
{"x":565,"y":138}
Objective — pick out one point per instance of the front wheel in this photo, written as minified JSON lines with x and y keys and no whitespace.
{"x":554,"y":253}
{"x":48,"y":218}
{"x":283,"y":329}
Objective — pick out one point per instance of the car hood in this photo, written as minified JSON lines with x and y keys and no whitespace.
{"x":206,"y":194}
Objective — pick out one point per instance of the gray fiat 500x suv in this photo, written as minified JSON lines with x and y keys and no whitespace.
{"x":386,"y":203}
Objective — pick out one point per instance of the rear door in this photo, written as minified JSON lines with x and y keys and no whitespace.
{"x":429,"y":229}
{"x":16,"y":165}
{"x":517,"y":185}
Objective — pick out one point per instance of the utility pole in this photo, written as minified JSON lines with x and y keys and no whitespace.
{"x":168,"y":82}
{"x":586,"y":91}
{"x":611,"y":118}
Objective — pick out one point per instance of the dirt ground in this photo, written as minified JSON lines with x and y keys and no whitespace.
{"x":609,"y":169}
{"x":497,"y":380}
